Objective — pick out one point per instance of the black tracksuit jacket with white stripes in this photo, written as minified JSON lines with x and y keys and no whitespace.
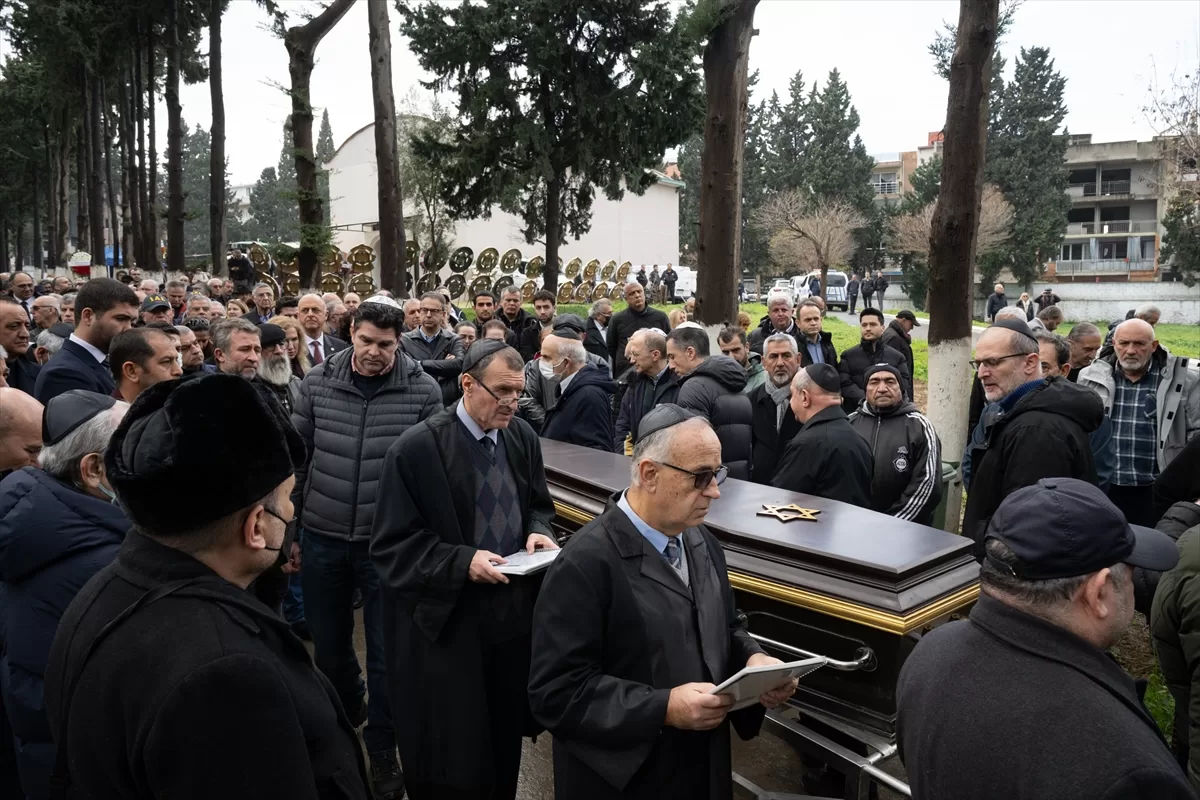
{"x":907,"y":482}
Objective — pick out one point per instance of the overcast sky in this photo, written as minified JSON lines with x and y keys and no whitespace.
{"x":1109,"y":51}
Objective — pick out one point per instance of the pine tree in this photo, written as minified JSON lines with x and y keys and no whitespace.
{"x":1026,"y":159}
{"x":756,"y":161}
{"x":836,"y":162}
{"x":324,"y":153}
{"x":790,"y":136}
{"x":1181,"y":238}
{"x":266,"y":208}
{"x":688,"y":160}
{"x":286,"y":219}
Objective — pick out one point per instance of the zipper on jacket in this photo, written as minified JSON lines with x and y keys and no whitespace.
{"x":875,"y":436}
{"x":362,"y":430}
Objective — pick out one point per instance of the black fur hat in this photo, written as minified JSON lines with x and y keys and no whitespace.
{"x":216,"y":434}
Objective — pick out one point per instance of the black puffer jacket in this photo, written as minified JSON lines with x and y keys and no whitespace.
{"x":1045,"y":435}
{"x":900,"y":340}
{"x":854,"y":364}
{"x":907,"y":481}
{"x":347,"y":438}
{"x":1180,"y":517}
{"x":714,"y":390}
{"x":583,"y":414}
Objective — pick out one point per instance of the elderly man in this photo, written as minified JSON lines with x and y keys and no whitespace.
{"x":638,"y":316}
{"x":22,"y":291}
{"x":264,"y":304}
{"x":774,"y":423}
{"x":826,"y":458}
{"x":149,"y":286}
{"x":712,"y":387}
{"x":733,"y":343}
{"x":155,"y":308}
{"x":104,"y":307}
{"x":1050,"y":318}
{"x":898,"y":336}
{"x":20,"y":430}
{"x":237,"y":347}
{"x":50,"y":342}
{"x":350,"y":411}
{"x":191,"y":354}
{"x":651,"y":383}
{"x":412,"y":314}
{"x":14,"y":338}
{"x":68,"y":308}
{"x":996,"y":301}
{"x":216,"y":311}
{"x":870,"y":351}
{"x":176,"y":292}
{"x":140,"y":358}
{"x":1032,"y":428}
{"x":778,"y":320}
{"x":41,"y":574}
{"x":583,"y":413}
{"x":511,"y":314}
{"x":236,"y":677}
{"x":275,"y":368}
{"x":1085,"y":341}
{"x":47,"y":312}
{"x":216,"y":289}
{"x":596,"y":329}
{"x":198,"y":307}
{"x":1063,"y":720}
{"x":62,"y":284}
{"x":1153,"y":400}
{"x":317,"y":343}
{"x":907,"y":482}
{"x":437,"y":350}
{"x":644,"y":578}
{"x":459,"y":492}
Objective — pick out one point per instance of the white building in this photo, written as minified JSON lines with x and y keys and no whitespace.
{"x":640,"y":229}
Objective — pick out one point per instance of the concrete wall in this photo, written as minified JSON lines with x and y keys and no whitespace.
{"x":1109,"y":301}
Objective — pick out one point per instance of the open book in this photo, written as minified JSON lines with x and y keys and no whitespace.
{"x":751,"y":682}
{"x":522,"y":563}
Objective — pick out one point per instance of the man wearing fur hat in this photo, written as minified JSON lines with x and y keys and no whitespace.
{"x":166,"y":677}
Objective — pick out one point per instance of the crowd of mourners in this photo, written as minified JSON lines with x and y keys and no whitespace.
{"x":200,"y":476}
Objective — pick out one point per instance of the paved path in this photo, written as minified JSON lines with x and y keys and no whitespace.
{"x":921,"y":333}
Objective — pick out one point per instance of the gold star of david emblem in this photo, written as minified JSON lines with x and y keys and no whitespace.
{"x":790,"y":512}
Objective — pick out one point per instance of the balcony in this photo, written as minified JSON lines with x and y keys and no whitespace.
{"x":886,"y":187}
{"x":1102,"y":189}
{"x":1110,"y":227}
{"x":1112,"y":266}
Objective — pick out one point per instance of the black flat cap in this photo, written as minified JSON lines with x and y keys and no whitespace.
{"x":661,"y":417}
{"x":69,"y":410}
{"x":910,"y":316}
{"x":217,"y":434}
{"x":479,"y":350}
{"x":271,"y":335}
{"x":826,"y":376}
{"x":568,"y":326}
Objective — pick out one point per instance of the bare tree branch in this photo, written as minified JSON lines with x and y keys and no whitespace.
{"x":1173,"y":110}
{"x":815,"y":235}
{"x":910,"y":232}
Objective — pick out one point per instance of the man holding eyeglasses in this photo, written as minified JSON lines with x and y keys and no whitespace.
{"x":1033,"y":428}
{"x":636,"y":626}
{"x":439,"y":351}
{"x":351,"y":409}
{"x":459,"y":492}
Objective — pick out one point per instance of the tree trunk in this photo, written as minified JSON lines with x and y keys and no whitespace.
{"x":37,"y":220}
{"x":137,"y":103}
{"x":51,"y":237}
{"x":62,"y":190}
{"x":554,"y":192}
{"x":719,"y":265}
{"x":114,"y":222}
{"x":154,"y":252}
{"x":83,"y":219}
{"x":131,"y":196}
{"x":19,"y":231}
{"x":96,"y":175}
{"x":391,"y":211}
{"x":301,"y":42}
{"x":216,"y":162}
{"x":3,"y":238}
{"x":953,"y":233}
{"x":175,"y":246}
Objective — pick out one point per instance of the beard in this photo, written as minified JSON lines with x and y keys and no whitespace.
{"x":276,"y":371}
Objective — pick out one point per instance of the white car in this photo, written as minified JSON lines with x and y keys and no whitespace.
{"x":835,"y":294}
{"x":781,"y":288}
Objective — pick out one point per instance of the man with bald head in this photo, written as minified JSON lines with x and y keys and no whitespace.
{"x":20,"y":430}
{"x":1153,"y":400}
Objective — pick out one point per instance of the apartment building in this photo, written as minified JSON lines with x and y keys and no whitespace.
{"x":889,"y":176}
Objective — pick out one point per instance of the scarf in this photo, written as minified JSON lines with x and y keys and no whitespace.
{"x":782,"y":396}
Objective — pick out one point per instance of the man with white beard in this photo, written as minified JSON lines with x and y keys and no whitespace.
{"x":275,"y":368}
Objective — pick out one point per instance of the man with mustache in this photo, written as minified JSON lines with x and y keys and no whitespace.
{"x":1153,"y":400}
{"x":350,"y":410}
{"x":774,"y":423}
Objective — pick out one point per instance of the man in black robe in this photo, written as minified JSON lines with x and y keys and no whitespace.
{"x":634,"y":627}
{"x":459,"y":491}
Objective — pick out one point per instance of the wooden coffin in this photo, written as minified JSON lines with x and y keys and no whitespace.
{"x":850,"y":580}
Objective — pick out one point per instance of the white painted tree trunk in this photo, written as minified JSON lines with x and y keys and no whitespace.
{"x":948,"y":410}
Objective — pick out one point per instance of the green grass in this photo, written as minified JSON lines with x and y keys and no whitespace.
{"x":1159,"y":702}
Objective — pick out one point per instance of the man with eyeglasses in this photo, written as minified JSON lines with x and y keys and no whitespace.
{"x":1033,"y":428}
{"x":351,"y":409}
{"x":642,"y":579}
{"x":436,"y":349}
{"x":460,"y":491}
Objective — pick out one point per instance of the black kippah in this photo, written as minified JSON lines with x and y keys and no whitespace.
{"x":481,"y":349}
{"x":69,"y":410}
{"x":825,"y":376}
{"x":661,"y":417}
{"x":1015,"y":325}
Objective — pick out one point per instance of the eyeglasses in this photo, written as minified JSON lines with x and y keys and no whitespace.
{"x":992,"y":363}
{"x":705,"y":476}
{"x":509,"y":399}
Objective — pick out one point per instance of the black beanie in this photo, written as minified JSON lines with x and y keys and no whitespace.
{"x":230,"y":444}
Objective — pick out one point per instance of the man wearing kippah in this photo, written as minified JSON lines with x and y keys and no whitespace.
{"x":167,"y":679}
{"x":458,"y":493}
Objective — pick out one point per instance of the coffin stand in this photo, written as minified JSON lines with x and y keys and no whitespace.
{"x":855,"y":586}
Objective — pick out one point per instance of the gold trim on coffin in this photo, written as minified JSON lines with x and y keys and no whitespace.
{"x":850,"y":612}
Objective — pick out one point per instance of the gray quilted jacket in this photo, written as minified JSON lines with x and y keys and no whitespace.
{"x":347,"y":438}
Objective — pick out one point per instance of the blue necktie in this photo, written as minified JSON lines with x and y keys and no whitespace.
{"x":671,"y":551}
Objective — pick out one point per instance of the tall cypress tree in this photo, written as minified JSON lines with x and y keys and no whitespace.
{"x":1026,"y":159}
{"x":837,"y":164}
{"x":324,"y":153}
{"x":790,"y":135}
{"x":286,"y":225}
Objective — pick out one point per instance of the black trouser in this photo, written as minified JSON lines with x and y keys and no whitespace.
{"x":867,"y":300}
{"x":853,"y":302}
{"x":1135,"y":502}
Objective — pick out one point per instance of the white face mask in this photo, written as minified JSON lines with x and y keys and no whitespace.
{"x":546,"y":368}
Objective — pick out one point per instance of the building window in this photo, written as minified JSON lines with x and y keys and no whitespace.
{"x":1072,"y":252}
{"x":1110,"y":251}
{"x":885,"y":183}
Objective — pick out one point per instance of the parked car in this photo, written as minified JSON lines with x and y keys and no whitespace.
{"x":750,"y":285}
{"x":835,"y":290}
{"x":781,"y":288}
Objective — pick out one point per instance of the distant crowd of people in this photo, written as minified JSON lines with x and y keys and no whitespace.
{"x":386,"y":453}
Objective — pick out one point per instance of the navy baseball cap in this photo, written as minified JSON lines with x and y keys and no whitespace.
{"x":1064,"y":527}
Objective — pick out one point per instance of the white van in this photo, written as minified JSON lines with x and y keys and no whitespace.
{"x":835,"y":294}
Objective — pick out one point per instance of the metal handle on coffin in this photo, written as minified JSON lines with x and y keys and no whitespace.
{"x":864,"y":657}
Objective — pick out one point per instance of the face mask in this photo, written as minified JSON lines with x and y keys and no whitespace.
{"x":110,"y":494}
{"x":289,"y":535}
{"x":546,"y":368}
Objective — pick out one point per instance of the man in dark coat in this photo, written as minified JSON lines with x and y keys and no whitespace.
{"x":774,"y":423}
{"x":651,"y":382}
{"x":669,"y":278}
{"x":852,"y":287}
{"x":511,"y":314}
{"x":583,"y":413}
{"x":351,"y":409}
{"x":778,"y":320}
{"x":815,"y":345}
{"x":898,"y":336}
{"x":1046,"y":299}
{"x":1021,"y":700}
{"x":637,"y":317}
{"x":485,"y":307}
{"x":868,"y":288}
{"x":996,"y":301}
{"x":827,"y":458}
{"x":881,"y":287}
{"x":870,"y":351}
{"x":318,"y":344}
{"x":103,"y":308}
{"x":1038,"y":429}
{"x":437,"y":350}
{"x":201,"y":689}
{"x":646,"y":578}
{"x":711,"y":386}
{"x":459,"y":492}
{"x":596,"y":327}
{"x":14,"y":340}
{"x":40,"y":574}
{"x":530,"y":337}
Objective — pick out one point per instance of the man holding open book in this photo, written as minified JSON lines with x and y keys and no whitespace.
{"x":636,"y":626}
